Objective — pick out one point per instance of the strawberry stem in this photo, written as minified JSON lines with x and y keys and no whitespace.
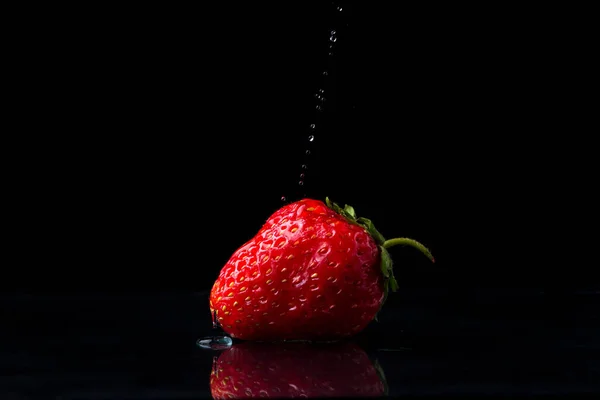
{"x":408,"y":242}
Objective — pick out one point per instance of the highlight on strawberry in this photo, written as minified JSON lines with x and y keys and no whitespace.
{"x":285,"y":370}
{"x":314,"y":271}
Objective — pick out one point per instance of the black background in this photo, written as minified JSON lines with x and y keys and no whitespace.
{"x":145,"y":144}
{"x":151,"y":143}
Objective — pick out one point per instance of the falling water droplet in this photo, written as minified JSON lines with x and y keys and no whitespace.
{"x":319,"y":107}
{"x":311,"y":138}
{"x":325,"y":73}
{"x":301,"y":183}
{"x":215,"y":343}
{"x":331,"y":53}
{"x":318,"y":96}
{"x":321,"y":91}
{"x":304,"y":166}
{"x":339,"y":8}
{"x":308,"y":152}
{"x":301,"y":176}
{"x":332,"y":37}
{"x":313,"y":127}
{"x":283,"y":198}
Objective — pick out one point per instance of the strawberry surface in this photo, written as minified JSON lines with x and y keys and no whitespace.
{"x":313,"y":272}
{"x":283,"y":370}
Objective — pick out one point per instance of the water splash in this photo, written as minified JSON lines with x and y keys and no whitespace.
{"x":215,"y":320}
{"x":215,"y":343}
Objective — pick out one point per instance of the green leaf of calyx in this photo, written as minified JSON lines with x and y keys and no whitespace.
{"x":368,"y":225}
{"x":386,"y":262}
{"x":346,"y":212}
{"x":393,"y":284}
{"x":337,"y":208}
{"x":349,"y":210}
{"x":389,"y":281}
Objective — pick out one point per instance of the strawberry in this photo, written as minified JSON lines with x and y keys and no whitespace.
{"x":282,"y":370}
{"x":314,"y":271}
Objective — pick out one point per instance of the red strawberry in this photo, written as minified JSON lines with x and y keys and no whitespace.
{"x":312,"y":272}
{"x":283,"y":370}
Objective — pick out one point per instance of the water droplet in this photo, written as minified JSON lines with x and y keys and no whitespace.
{"x":301,"y":176}
{"x":331,"y":53}
{"x":215,"y":343}
{"x":304,"y":166}
{"x":301,"y":183}
{"x":318,"y":96}
{"x":283,"y":198}
{"x":325,"y":73}
{"x":321,"y":91}
{"x":215,"y":320}
{"x":332,"y":32}
{"x":339,"y":8}
{"x":311,"y":138}
{"x":319,"y":108}
{"x":313,"y":127}
{"x":332,"y":39}
{"x":308,"y":152}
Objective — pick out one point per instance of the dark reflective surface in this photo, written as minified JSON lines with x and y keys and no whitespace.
{"x":428,"y":342}
{"x":296,"y":370}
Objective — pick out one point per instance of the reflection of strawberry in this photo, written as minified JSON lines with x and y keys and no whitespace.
{"x":314,"y":271}
{"x":253,"y":369}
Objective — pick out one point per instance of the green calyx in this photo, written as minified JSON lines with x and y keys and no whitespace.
{"x":387,"y":265}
